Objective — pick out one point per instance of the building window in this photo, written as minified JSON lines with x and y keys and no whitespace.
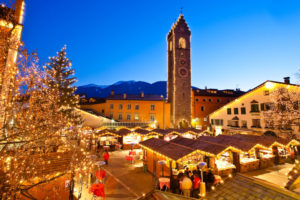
{"x":266,"y":92}
{"x":228,"y":111}
{"x":205,"y":119}
{"x":254,"y":108}
{"x":209,"y":100}
{"x":120,"y":116}
{"x":137,"y":107}
{"x":152,"y":117}
{"x":204,"y":100}
{"x":262,"y":106}
{"x":152,"y":107}
{"x":136,"y":116}
{"x":111,"y":106}
{"x":243,"y":110}
{"x":244,"y":124}
{"x":202,"y":108}
{"x":111,"y":115}
{"x":128,"y":117}
{"x":102,"y":111}
{"x":120,"y":106}
{"x":197,"y":99}
{"x":128,"y":106}
{"x":255,"y":123}
{"x":218,"y":100}
{"x":182,"y":44}
{"x":212,"y":122}
{"x":236,"y":111}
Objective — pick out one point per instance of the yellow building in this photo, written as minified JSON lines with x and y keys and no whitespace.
{"x":151,"y":109}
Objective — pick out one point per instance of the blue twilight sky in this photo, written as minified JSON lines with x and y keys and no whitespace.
{"x":235,"y":43}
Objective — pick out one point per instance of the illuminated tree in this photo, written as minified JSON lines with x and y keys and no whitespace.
{"x":283,"y":113}
{"x":61,"y":79}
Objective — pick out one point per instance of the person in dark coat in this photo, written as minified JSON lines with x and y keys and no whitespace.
{"x":175,"y":185}
{"x":210,"y":180}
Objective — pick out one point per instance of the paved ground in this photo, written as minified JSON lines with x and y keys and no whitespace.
{"x":130,"y":175}
{"x":125,"y":181}
{"x":276,"y":174}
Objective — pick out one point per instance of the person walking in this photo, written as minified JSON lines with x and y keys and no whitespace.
{"x":187,"y":185}
{"x":106,"y":157}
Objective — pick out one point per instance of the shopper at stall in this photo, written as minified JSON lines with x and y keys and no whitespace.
{"x":186,"y":185}
{"x":210,"y":180}
{"x":175,"y":187}
{"x":196,"y":186}
{"x":106,"y":157}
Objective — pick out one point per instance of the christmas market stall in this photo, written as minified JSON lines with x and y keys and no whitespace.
{"x":148,"y":134}
{"x":168,"y":134}
{"x":248,"y":160}
{"x":189,"y":133}
{"x":277,"y":150}
{"x":106,"y":139}
{"x":130,"y":139}
{"x":161,"y":157}
{"x":221,"y":158}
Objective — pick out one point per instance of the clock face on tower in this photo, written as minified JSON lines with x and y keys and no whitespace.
{"x":183,"y":72}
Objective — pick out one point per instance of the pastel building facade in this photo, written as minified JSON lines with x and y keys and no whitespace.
{"x":247,"y":114}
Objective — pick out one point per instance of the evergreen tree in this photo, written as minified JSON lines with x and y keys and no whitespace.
{"x":62,"y":79}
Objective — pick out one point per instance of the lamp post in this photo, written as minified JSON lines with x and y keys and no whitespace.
{"x":202,"y":184}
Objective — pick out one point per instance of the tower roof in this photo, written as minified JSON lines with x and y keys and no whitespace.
{"x":180,"y":21}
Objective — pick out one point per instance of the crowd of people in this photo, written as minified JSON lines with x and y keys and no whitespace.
{"x":188,"y":183}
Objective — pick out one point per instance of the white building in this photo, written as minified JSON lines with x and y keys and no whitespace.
{"x":247,"y":114}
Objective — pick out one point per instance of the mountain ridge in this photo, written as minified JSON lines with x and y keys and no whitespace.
{"x":120,"y":87}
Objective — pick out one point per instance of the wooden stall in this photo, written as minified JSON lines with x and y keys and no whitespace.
{"x":107,"y":139}
{"x":156,"y":150}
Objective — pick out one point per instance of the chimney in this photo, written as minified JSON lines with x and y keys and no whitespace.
{"x":286,"y":80}
{"x":19,"y":11}
{"x":124,"y":96}
{"x":112,"y":93}
{"x":142,"y":94}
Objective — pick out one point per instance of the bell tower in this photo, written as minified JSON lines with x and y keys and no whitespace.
{"x":179,"y":73}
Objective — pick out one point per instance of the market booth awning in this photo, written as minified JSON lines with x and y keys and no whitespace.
{"x":166,"y":149}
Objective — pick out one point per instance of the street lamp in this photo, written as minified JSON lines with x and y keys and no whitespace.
{"x":202,"y":184}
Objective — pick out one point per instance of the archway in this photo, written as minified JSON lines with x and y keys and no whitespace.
{"x":183,"y":124}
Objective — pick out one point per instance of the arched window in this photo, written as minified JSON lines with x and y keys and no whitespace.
{"x":171,"y":46}
{"x":182,"y":43}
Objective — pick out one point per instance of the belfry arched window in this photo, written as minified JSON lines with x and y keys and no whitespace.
{"x":182,"y":43}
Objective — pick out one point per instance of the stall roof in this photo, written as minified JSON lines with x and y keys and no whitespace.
{"x":123,"y":131}
{"x":229,"y":141}
{"x":142,"y":131}
{"x":267,"y":141}
{"x":170,"y":150}
{"x":163,"y":131}
{"x":203,"y":146}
